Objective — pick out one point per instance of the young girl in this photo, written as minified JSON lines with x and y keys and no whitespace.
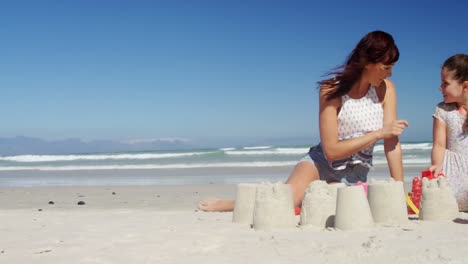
{"x":450,"y":128}
{"x":357,"y":109}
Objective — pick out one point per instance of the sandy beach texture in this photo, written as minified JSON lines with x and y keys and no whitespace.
{"x":160,"y":224}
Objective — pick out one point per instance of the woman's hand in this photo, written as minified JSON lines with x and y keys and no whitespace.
{"x":392,"y":129}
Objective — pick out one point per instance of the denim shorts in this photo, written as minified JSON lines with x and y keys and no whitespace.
{"x":352,"y":173}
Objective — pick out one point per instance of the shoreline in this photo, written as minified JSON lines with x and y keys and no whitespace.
{"x":147,"y":177}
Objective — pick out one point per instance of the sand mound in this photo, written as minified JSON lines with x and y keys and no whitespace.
{"x":387,"y":202}
{"x":352,"y":209}
{"x":274,"y":207}
{"x":319,"y":205}
{"x":438,"y":201}
{"x":245,"y":202}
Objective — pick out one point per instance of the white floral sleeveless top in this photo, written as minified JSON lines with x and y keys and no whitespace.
{"x":356,"y":118}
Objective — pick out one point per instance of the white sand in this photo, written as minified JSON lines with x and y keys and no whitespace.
{"x":159,"y":224}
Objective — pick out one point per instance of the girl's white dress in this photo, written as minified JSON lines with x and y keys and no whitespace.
{"x":455,"y":166}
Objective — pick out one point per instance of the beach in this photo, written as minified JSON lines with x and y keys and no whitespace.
{"x":160,"y":224}
{"x":125,"y":122}
{"x":64,"y":211}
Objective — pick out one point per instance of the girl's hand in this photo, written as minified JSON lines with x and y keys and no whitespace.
{"x":435,"y":169}
{"x":393,"y":129}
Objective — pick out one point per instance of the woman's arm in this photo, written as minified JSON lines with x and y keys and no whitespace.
{"x":392,"y":147}
{"x":334,"y":149}
{"x":328,"y":120}
{"x":438,"y":146}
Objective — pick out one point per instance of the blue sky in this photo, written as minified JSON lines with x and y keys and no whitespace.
{"x":207,"y":71}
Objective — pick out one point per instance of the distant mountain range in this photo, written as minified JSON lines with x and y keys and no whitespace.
{"x":28,"y":145}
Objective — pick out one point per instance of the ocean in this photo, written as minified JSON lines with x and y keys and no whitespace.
{"x":196,"y":166}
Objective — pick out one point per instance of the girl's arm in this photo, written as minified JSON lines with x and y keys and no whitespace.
{"x":439,"y":144}
{"x":392,"y":147}
{"x":334,"y":149}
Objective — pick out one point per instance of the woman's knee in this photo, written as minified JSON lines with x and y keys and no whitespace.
{"x":303,"y":174}
{"x":305,"y":171}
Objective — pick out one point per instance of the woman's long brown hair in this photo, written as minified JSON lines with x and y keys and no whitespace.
{"x":458,"y":64}
{"x":376,"y":46}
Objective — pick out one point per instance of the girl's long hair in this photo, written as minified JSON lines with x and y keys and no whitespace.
{"x":375,"y":47}
{"x":458,"y":64}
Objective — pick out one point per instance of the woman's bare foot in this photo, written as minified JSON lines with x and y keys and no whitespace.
{"x":216,"y":205}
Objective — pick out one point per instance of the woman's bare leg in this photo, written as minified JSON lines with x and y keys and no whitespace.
{"x":216,"y":205}
{"x":302,"y":175}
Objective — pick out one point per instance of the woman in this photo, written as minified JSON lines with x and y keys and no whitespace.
{"x":357,"y":109}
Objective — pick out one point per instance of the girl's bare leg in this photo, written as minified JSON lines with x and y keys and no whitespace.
{"x":302,"y":175}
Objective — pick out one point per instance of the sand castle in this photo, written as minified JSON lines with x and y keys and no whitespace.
{"x":387,"y":202}
{"x":438,"y":201}
{"x":352,"y":209}
{"x":264,"y":206}
{"x":245,"y":201}
{"x":319,"y":204}
{"x":274,"y":207}
{"x":269,"y":206}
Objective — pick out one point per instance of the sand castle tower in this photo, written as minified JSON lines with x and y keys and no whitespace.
{"x":352,"y":209}
{"x":438,"y":201}
{"x":387,"y":202}
{"x":319,"y":204}
{"x":274,"y":207}
{"x":245,"y":201}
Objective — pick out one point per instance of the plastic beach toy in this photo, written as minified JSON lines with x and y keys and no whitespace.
{"x":411,"y":205}
{"x":297,"y":210}
{"x":363,"y":184}
{"x":414,"y":196}
{"x":413,"y":199}
{"x":427,"y":174}
{"x":359,"y":183}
